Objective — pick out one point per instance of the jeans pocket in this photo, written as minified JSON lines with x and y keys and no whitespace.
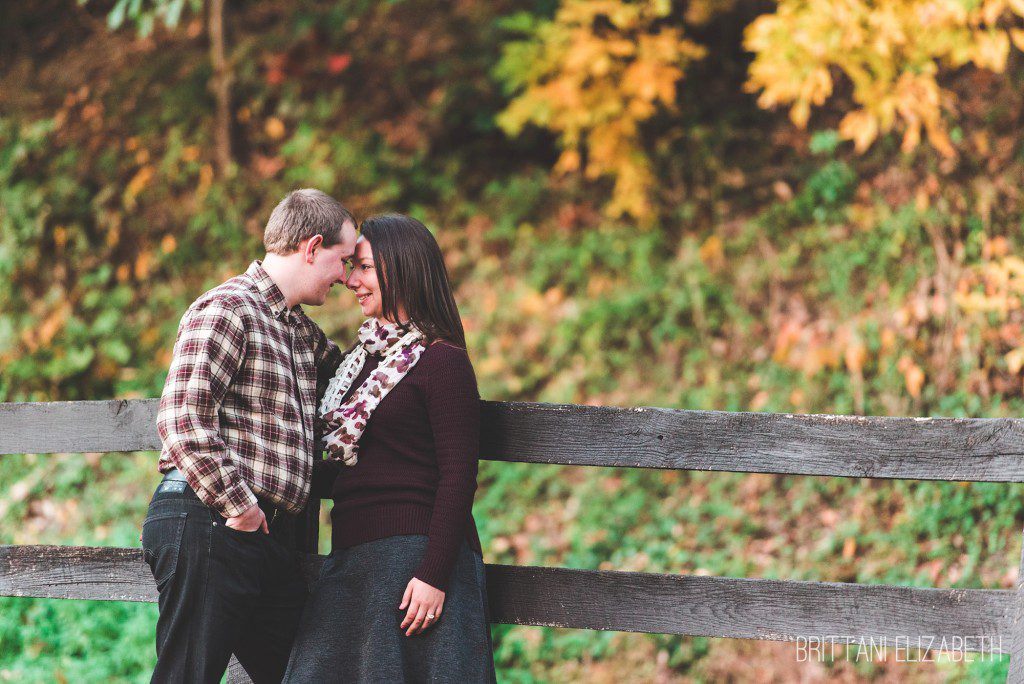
{"x":254,"y":534}
{"x":161,"y":542}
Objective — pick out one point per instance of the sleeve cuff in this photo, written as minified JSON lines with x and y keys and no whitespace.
{"x":235,"y":500}
{"x":434,"y":572}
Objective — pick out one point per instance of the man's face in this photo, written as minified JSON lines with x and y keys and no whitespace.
{"x":328,"y":267}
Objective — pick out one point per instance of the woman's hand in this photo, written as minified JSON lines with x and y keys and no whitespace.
{"x":424,"y":603}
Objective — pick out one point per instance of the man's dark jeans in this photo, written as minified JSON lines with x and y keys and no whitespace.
{"x":221,"y":591}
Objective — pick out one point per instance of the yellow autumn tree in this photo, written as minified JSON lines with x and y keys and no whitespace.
{"x":593,"y":75}
{"x":892,"y":53}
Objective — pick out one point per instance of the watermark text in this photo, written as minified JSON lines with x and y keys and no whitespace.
{"x":907,"y":649}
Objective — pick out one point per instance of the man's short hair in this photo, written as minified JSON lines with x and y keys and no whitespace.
{"x":301,"y":215}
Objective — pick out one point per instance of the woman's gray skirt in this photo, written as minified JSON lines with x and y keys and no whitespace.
{"x":350,"y":629}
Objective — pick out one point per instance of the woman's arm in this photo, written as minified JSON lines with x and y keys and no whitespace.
{"x":453,"y":405}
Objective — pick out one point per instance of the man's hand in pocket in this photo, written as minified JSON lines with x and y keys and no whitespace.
{"x":250,"y":520}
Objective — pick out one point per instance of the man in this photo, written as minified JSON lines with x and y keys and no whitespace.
{"x":236,"y":420}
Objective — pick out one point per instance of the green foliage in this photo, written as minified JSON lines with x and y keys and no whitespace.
{"x":146,"y":14}
{"x":80,"y":641}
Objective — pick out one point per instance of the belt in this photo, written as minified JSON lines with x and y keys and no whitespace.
{"x":269,"y":509}
{"x":173,"y":475}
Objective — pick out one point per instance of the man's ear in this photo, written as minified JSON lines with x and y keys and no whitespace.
{"x":312,"y":245}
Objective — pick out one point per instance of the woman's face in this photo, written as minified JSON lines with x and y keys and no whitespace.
{"x":363,"y":281}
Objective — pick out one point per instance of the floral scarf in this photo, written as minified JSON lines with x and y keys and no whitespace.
{"x":399,"y":347}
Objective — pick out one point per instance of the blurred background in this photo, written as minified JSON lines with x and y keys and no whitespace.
{"x":797,"y":206}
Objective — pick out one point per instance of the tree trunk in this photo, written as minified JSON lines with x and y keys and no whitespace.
{"x":221,"y":86}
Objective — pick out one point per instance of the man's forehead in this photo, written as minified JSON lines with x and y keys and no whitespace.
{"x":343,"y":249}
{"x":349,"y":238}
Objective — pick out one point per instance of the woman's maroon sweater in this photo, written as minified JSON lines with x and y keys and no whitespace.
{"x":417,"y":466}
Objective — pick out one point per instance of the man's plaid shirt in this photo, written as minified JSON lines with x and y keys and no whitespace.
{"x":230,"y":419}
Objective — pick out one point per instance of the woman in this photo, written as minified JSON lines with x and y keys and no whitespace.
{"x":402,"y":595}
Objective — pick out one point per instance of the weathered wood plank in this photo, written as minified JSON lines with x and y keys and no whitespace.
{"x":87,"y":572}
{"x":237,"y":673}
{"x":965,"y":449}
{"x":775,"y":610}
{"x":75,"y":572}
{"x":78,"y":426}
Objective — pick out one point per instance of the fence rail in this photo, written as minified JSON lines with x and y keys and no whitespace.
{"x":778,"y":610}
{"x":979,"y":450}
{"x":954,"y":449}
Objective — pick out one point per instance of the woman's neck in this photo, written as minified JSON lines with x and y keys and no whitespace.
{"x":386,"y":321}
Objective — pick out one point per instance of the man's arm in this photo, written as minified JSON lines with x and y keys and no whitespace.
{"x":207,"y":355}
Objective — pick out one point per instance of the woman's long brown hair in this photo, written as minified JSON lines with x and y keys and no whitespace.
{"x":411,"y":273}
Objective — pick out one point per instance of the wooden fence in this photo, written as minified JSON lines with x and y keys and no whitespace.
{"x":976,"y":450}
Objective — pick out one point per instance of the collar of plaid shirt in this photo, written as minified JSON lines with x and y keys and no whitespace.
{"x":269,"y":289}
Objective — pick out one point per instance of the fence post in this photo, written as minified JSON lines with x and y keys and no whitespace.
{"x":236,"y":673}
{"x":1016,"y":673}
